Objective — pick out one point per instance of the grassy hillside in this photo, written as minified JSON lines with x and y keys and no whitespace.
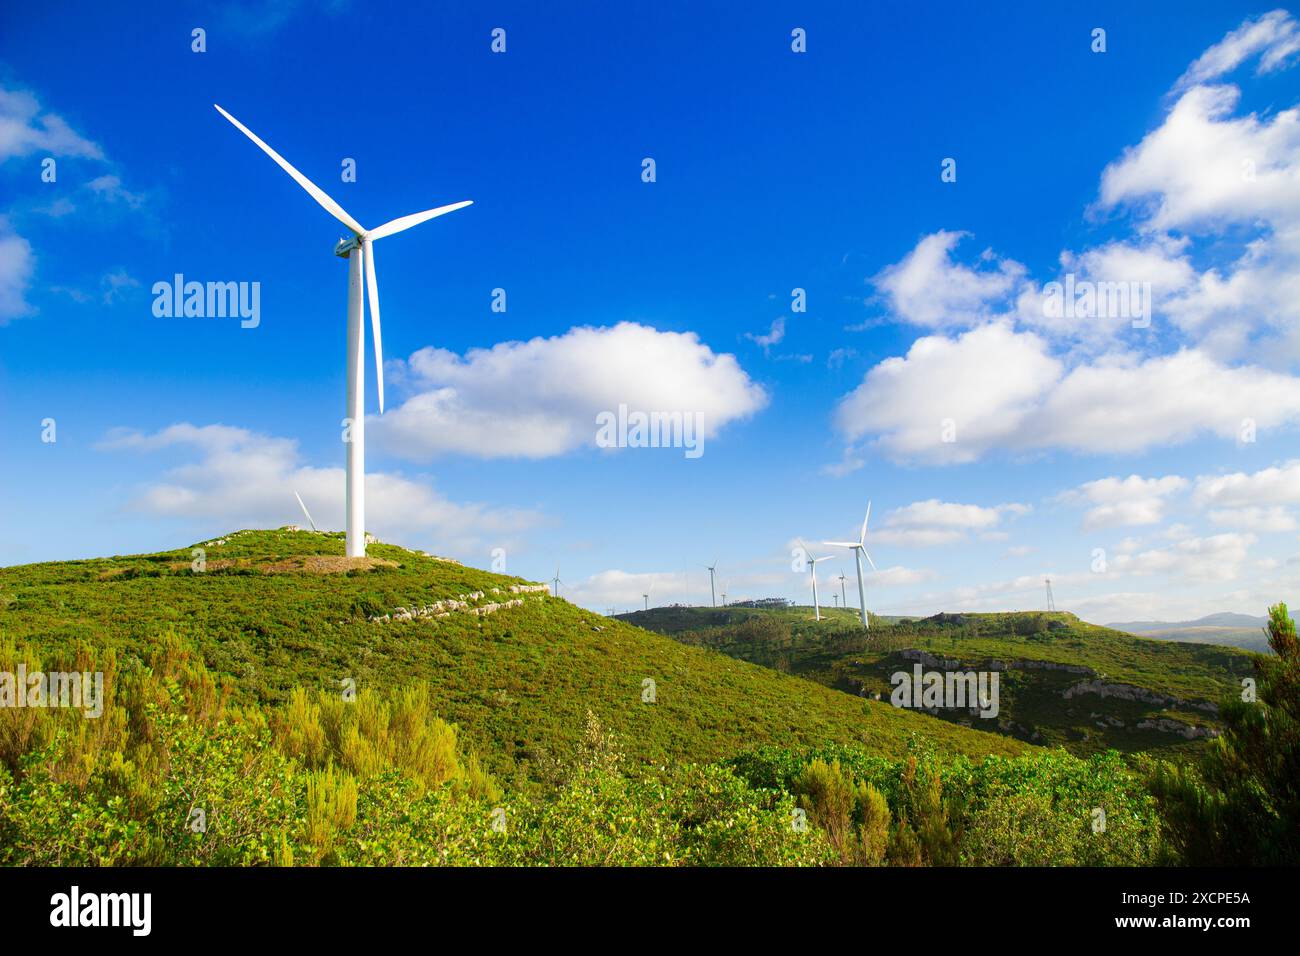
{"x":1063,"y":681}
{"x":274,"y":610}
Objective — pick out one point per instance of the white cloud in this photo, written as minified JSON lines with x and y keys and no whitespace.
{"x":935,"y":522}
{"x":985,"y":382}
{"x":540,"y":398}
{"x":1003,"y":390}
{"x":1118,"y":502}
{"x":1203,"y":168}
{"x":928,"y":288}
{"x":245,"y":479}
{"x":1257,"y":519}
{"x":772,"y":337}
{"x":117,"y":285}
{"x":109,"y":188}
{"x":1273,"y":36}
{"x":16,"y":266}
{"x":1216,"y":558}
{"x":25,"y":129}
{"x":1277,"y":485}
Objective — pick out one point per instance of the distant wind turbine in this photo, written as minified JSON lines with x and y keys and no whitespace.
{"x":558,"y":582}
{"x":647,"y":600}
{"x":859,"y":552}
{"x":843,"y":600}
{"x":305,"y":511}
{"x":359,"y":251}
{"x":812,"y":568}
{"x":713,"y":595}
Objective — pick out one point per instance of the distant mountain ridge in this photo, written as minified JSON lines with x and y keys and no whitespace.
{"x":1222,"y":619}
{"x":1227,"y":628}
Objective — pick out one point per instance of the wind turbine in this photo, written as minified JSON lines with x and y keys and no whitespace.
{"x":558,"y":582}
{"x":305,"y":511}
{"x":647,"y":600}
{"x":359,"y":251}
{"x":843,"y":600}
{"x":713,"y":595}
{"x":812,"y":568}
{"x":859,"y":552}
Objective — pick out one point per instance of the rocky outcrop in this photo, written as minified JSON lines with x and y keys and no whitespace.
{"x":1140,"y":694}
{"x":1167,"y":726}
{"x":461,"y":604}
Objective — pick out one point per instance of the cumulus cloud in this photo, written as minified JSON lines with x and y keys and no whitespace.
{"x":929,"y":288}
{"x":1003,"y":389}
{"x":1269,"y":487}
{"x":241,"y":478}
{"x":1118,"y":502}
{"x":1203,"y":168}
{"x":540,"y":398}
{"x":982,"y":384}
{"x":1214,"y":200}
{"x":1218,"y":557}
{"x":935,"y":522}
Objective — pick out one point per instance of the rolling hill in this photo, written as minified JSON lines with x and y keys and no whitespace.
{"x":516,"y":669}
{"x":1063,"y":682}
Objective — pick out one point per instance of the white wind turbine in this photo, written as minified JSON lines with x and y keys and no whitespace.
{"x":558,"y":582}
{"x":713,"y":594}
{"x":859,"y":552}
{"x":812,"y":568}
{"x":359,"y":251}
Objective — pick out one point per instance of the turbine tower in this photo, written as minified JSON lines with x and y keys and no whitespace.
{"x":713,"y":595}
{"x":1051,"y":602}
{"x":812,"y":568}
{"x":859,"y":552}
{"x":359,"y":251}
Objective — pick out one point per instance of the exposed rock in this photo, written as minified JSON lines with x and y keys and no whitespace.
{"x":1167,"y":726}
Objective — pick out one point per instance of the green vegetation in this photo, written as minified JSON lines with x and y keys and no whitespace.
{"x":517,"y":682}
{"x":284,"y":705}
{"x":1153,"y":694}
{"x":1241,"y":804}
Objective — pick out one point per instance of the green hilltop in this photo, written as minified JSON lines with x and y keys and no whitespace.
{"x":1063,"y":682}
{"x":513,"y":667}
{"x":404,"y":709}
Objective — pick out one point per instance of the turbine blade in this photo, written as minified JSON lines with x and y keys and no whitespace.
{"x":305,"y":511}
{"x":863,"y":536}
{"x":316,"y":193}
{"x":368,"y":251}
{"x":841,"y":544}
{"x":406,"y":222}
{"x":869,"y":561}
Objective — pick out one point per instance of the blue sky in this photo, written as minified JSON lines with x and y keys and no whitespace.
{"x":1172,"y":158}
